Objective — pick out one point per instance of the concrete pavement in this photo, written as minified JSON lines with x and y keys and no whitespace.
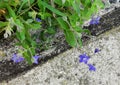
{"x":65,"y":69}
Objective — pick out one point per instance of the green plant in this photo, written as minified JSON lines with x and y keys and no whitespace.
{"x":70,"y":15}
{"x":20,"y":17}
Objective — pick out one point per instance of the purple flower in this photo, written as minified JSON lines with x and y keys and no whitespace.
{"x":91,"y":67}
{"x":84,"y":58}
{"x":38,"y":20}
{"x":95,"y":21}
{"x":96,"y":50}
{"x":17,"y":58}
{"x":36,"y":59}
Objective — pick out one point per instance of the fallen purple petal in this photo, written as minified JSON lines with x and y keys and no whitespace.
{"x":96,"y":50}
{"x":36,"y":59}
{"x":20,"y":59}
{"x":91,"y":67}
{"x":95,"y":21}
{"x":84,"y":58}
{"x":17,"y":58}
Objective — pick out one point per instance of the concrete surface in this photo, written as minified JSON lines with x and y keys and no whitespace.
{"x":65,"y":69}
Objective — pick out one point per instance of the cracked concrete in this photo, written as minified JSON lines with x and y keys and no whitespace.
{"x":65,"y":69}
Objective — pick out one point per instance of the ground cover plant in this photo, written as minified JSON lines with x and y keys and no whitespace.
{"x":30,"y":20}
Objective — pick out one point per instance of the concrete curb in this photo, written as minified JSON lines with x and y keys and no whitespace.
{"x":65,"y":69}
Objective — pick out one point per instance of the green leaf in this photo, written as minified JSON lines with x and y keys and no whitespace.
{"x":59,"y":2}
{"x":33,"y":43}
{"x":32,"y":50}
{"x":44,"y":15}
{"x":51,"y":30}
{"x":29,"y":21}
{"x":11,"y":12}
{"x":18,"y":36}
{"x":69,"y":35}
{"x":70,"y":38}
{"x":52,"y":9}
{"x":21,"y":35}
{"x":27,"y":57}
{"x":35,"y":26}
{"x":19,"y":24}
{"x":23,"y":3}
{"x":25,"y":45}
{"x":62,"y":23}
{"x":76,"y":7}
{"x":2,"y":4}
{"x":2,"y":24}
{"x":85,"y":14}
{"x":32,"y":14}
{"x":62,"y":2}
{"x":88,"y":3}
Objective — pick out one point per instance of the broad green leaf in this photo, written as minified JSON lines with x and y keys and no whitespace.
{"x":35,"y":26}
{"x":32,"y":14}
{"x":62,"y":2}
{"x":59,"y":2}
{"x":33,"y":43}
{"x":24,"y":45}
{"x":11,"y":12}
{"x":29,"y":21}
{"x":70,"y":38}
{"x":62,"y":23}
{"x":50,"y":30}
{"x":2,"y":4}
{"x":19,"y":24}
{"x":32,"y":50}
{"x":18,"y":36}
{"x":88,"y":3}
{"x":23,"y":3}
{"x":21,"y":35}
{"x":52,"y":9}
{"x":2,"y":24}
{"x":13,"y":3}
{"x":76,"y":7}
{"x":27,"y":57}
{"x":44,"y":15}
{"x":41,"y":7}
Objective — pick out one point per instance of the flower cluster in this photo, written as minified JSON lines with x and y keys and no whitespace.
{"x":84,"y":58}
{"x":18,"y":59}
